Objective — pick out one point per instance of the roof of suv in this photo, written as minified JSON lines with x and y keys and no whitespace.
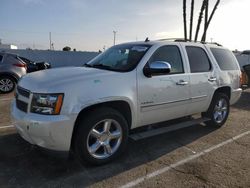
{"x":171,"y":41}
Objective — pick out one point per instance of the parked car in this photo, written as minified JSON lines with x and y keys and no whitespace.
{"x":12,"y":68}
{"x":91,"y":110}
{"x":33,"y":66}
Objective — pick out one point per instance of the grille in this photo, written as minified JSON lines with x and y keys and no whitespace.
{"x":23,"y":92}
{"x":22,"y":105}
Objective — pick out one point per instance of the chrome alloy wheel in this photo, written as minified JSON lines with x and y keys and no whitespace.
{"x":104,"y":139}
{"x":220,"y":110}
{"x":6,"y":84}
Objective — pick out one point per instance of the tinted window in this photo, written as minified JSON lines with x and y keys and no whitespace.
{"x":225,"y":59}
{"x":170,"y":54}
{"x":1,"y":57}
{"x":198,"y":59}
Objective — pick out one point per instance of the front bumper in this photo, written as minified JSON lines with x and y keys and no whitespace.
{"x":53,"y":132}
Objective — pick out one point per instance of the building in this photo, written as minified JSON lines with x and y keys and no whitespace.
{"x":7,"y":46}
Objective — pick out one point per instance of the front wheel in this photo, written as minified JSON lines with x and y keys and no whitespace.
{"x":101,"y":136}
{"x":218,"y":110}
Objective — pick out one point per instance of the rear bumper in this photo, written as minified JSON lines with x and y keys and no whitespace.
{"x":50,"y":132}
{"x":235,"y":95}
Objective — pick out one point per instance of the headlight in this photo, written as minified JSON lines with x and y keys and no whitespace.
{"x":46,"y":103}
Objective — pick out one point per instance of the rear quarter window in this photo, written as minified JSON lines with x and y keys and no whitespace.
{"x":225,"y":59}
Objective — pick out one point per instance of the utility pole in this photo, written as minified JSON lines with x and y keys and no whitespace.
{"x":50,"y":45}
{"x":114,"y":36}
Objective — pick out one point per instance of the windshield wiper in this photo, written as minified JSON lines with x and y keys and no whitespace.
{"x":100,"y":66}
{"x":87,"y":65}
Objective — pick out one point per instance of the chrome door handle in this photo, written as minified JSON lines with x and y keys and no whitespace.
{"x":182,"y":83}
{"x":212,"y":79}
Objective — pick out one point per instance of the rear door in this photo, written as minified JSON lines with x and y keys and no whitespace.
{"x":203,"y":80}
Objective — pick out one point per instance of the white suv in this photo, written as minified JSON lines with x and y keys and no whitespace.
{"x":90,"y":110}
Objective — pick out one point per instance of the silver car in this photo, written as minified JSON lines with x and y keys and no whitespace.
{"x":12,"y":68}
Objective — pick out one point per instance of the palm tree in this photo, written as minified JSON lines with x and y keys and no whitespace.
{"x":191,"y":20}
{"x":205,"y":22}
{"x":184,"y":19}
{"x":209,"y":20}
{"x":200,"y":19}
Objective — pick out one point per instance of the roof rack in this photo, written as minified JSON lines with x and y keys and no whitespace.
{"x":183,"y":40}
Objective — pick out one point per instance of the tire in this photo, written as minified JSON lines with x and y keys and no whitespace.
{"x":7,"y":84}
{"x":101,"y":136}
{"x":218,"y":110}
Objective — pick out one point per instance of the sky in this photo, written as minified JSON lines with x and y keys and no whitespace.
{"x":88,"y":25}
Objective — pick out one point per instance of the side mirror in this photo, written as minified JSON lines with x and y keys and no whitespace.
{"x":157,"y":68}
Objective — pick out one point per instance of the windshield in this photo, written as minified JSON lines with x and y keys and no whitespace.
{"x":120,"y":58}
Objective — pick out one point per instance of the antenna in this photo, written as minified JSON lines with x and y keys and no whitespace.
{"x":147,"y":40}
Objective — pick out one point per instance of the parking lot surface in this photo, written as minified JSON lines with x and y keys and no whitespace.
{"x":198,"y":156}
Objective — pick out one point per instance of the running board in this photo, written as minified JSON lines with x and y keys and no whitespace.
{"x":162,"y":130}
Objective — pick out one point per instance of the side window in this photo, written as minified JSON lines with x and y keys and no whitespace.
{"x":225,"y":59}
{"x":1,"y":58}
{"x":198,"y":59}
{"x":170,"y":54}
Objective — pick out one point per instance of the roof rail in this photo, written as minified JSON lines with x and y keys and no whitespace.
{"x":183,"y":40}
{"x":172,"y":39}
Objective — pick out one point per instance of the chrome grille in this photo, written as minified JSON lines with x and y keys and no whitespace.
{"x":23,"y":92}
{"x":22,"y":104}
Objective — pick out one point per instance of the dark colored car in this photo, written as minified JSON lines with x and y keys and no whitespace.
{"x":33,"y":66}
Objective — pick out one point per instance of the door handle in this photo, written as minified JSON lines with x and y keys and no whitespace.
{"x":212,"y":79}
{"x":182,"y":83}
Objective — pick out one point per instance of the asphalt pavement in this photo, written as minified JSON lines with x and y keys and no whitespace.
{"x":198,"y":156}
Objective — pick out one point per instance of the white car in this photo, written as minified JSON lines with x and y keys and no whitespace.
{"x":91,"y":110}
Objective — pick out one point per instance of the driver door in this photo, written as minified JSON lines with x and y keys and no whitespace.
{"x":164,"y":97}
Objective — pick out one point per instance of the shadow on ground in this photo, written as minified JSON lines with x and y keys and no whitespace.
{"x":23,"y":165}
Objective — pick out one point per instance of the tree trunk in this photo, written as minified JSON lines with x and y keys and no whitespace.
{"x":209,"y":20}
{"x":191,"y":20}
{"x":184,"y":19}
{"x":205,"y":22}
{"x":200,"y":19}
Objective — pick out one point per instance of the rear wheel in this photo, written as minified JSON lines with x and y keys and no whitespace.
{"x":7,"y":84}
{"x":218,"y":111}
{"x":101,"y":136}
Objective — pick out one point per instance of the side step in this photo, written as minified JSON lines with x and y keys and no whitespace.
{"x":161,"y":130}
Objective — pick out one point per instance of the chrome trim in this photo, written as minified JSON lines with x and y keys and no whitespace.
{"x":22,"y":98}
{"x":164,"y":103}
{"x":198,"y":97}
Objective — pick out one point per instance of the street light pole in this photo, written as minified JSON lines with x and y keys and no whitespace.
{"x":114,"y":36}
{"x":50,"y":45}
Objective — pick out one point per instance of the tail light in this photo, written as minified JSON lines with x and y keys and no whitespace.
{"x":20,"y":65}
{"x":243,"y":79}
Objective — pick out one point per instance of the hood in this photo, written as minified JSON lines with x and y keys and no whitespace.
{"x":47,"y":80}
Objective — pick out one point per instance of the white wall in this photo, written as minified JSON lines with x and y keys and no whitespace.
{"x":56,"y":58}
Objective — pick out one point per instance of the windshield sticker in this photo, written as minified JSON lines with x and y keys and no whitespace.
{"x":140,"y":48}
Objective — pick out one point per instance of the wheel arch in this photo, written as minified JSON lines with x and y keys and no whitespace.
{"x":120,"y":105}
{"x":225,"y":90}
{"x":12,"y":75}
